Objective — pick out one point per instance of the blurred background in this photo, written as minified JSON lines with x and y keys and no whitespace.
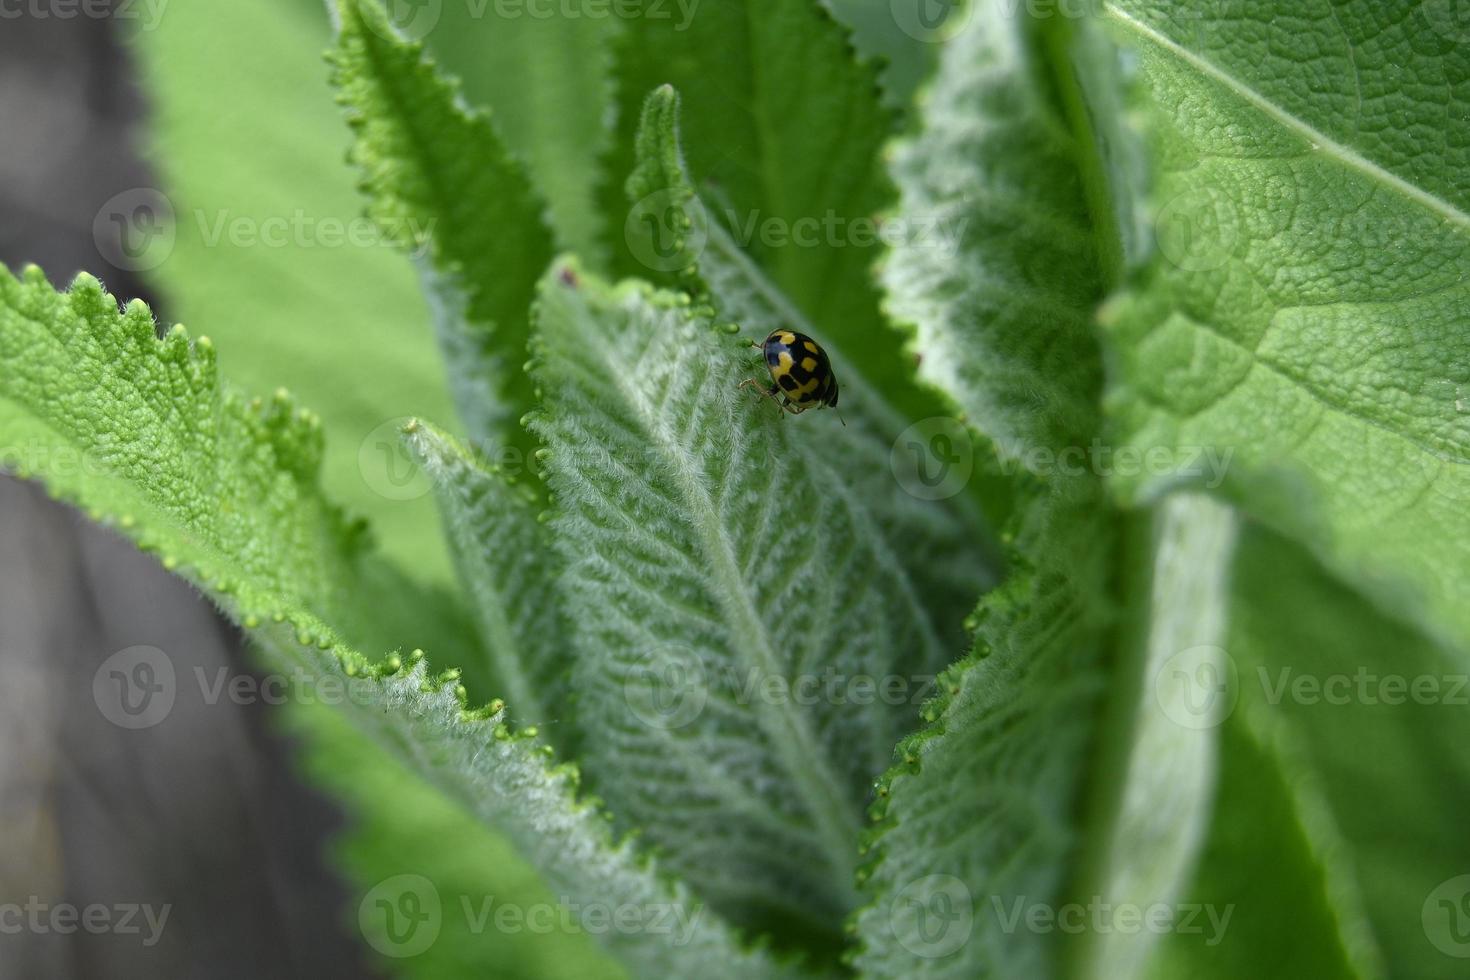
{"x":204,"y":814}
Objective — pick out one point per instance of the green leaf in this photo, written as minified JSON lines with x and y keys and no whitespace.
{"x":982,"y":818}
{"x":978,"y":813}
{"x":784,"y":130}
{"x":1306,"y":309}
{"x":934,"y":530}
{"x":439,"y":179}
{"x":1152,"y":808}
{"x":1267,"y":902}
{"x":546,"y":79}
{"x":140,"y":433}
{"x":1366,"y":718}
{"x":720,"y":573}
{"x":503,"y":553}
{"x":269,"y":249}
{"x":1003,"y":326}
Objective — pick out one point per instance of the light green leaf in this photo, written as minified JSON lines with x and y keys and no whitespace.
{"x":440,"y":180}
{"x":140,"y":433}
{"x":1263,"y":899}
{"x":269,"y":249}
{"x":783,"y":129}
{"x":1306,"y":311}
{"x":982,"y":819}
{"x":543,"y":70}
{"x":1003,"y":326}
{"x":720,"y":574}
{"x":1365,"y":718}
{"x":978,"y":816}
{"x":940,"y":541}
{"x":1151,"y":819}
{"x":503,"y":555}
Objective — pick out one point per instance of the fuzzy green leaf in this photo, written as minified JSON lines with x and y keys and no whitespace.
{"x":545,"y":78}
{"x":1365,"y":720}
{"x":1307,"y":308}
{"x":982,"y":817}
{"x":439,"y":179}
{"x":502,"y":552}
{"x":939,"y":541}
{"x":720,"y":573}
{"x":140,"y":433}
{"x":784,"y":129}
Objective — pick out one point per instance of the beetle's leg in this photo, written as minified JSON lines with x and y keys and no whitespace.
{"x":770,"y":393}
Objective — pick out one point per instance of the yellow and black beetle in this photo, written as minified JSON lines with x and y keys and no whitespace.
{"x":801,"y":374}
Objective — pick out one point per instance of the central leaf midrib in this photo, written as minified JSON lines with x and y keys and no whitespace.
{"x":1343,"y":153}
{"x":797,"y":749}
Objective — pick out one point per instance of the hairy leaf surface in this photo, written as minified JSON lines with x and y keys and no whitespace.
{"x":732,"y":598}
{"x":942,"y":542}
{"x":140,"y":432}
{"x":784,"y":130}
{"x":439,"y":179}
{"x":1307,"y":308}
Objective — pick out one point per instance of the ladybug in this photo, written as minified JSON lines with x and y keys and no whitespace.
{"x":801,"y":373}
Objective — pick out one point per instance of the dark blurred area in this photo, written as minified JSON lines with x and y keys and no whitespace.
{"x":182,"y":849}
